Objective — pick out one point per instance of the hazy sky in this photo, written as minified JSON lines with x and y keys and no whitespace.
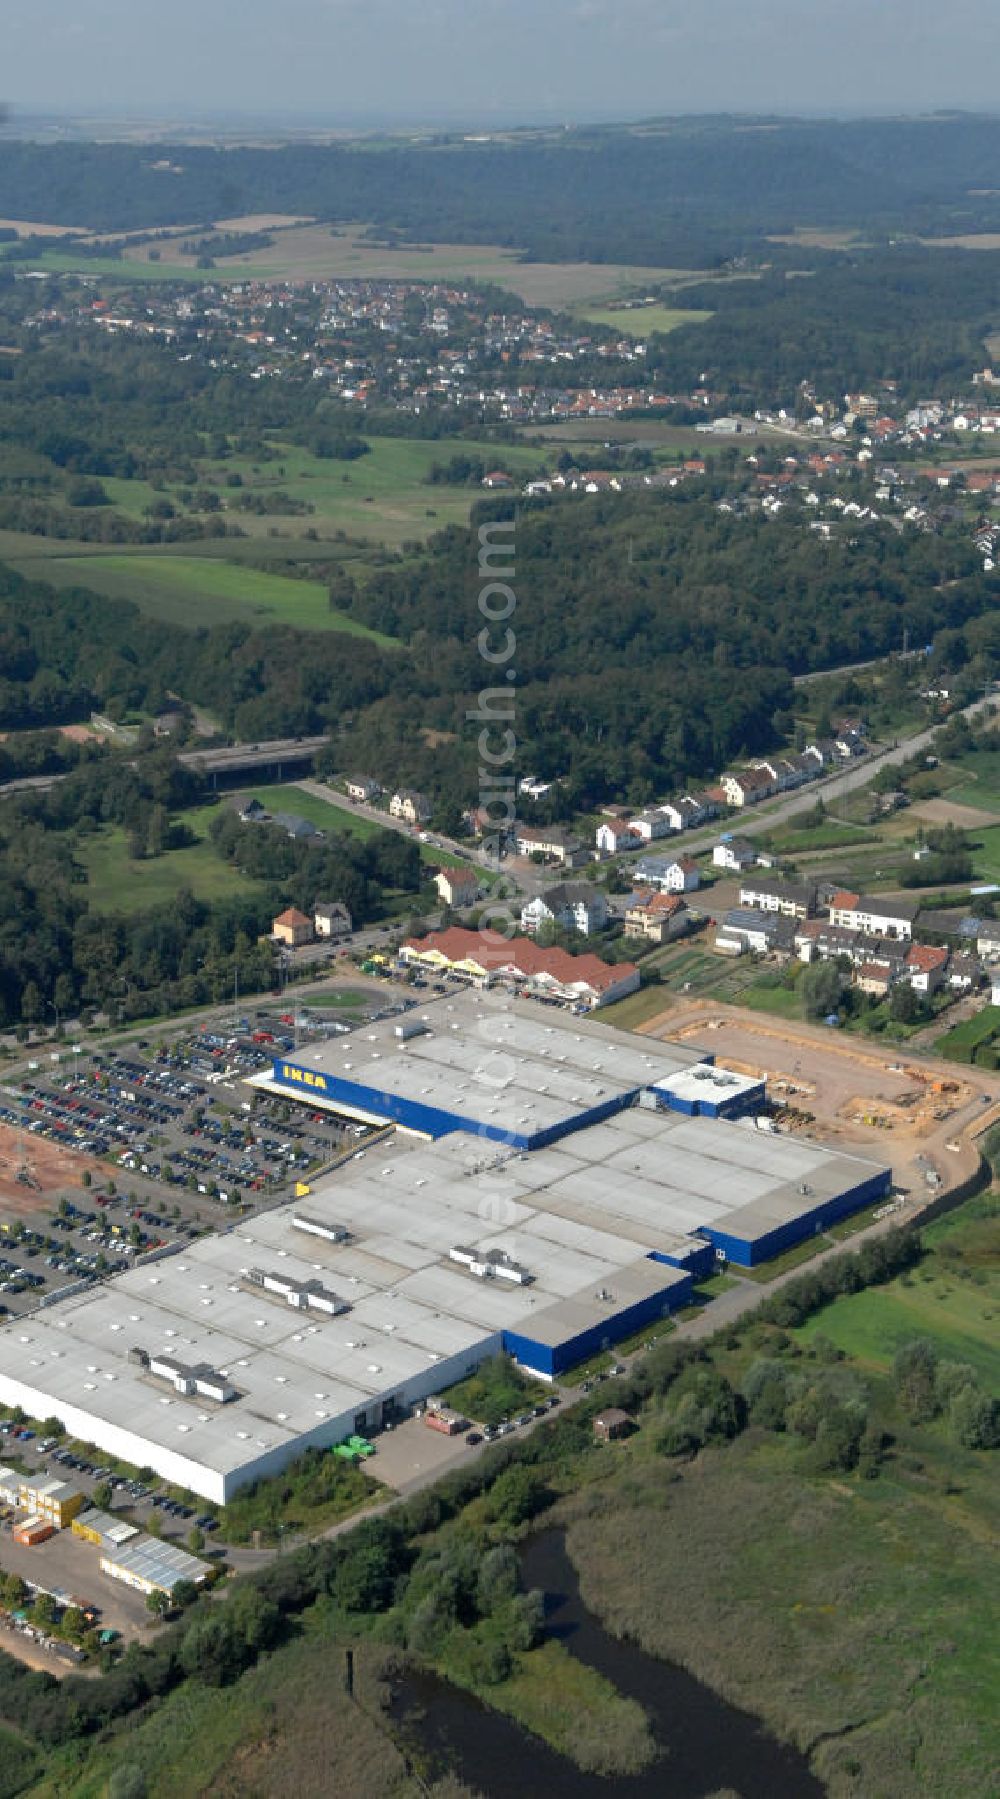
{"x":494,"y":60}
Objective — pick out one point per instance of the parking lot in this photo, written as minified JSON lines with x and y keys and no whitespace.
{"x":108,"y":1154}
{"x":69,"y":1568}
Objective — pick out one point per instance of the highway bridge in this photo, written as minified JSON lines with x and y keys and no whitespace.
{"x":279,"y":756}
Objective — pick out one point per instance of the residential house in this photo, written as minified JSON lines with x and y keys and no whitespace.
{"x":685,"y":813}
{"x":734,"y":852}
{"x":168,"y":724}
{"x":816,"y":940}
{"x":874,"y":978}
{"x":925,"y":967}
{"x":648,"y":825}
{"x":964,"y":974}
{"x":292,"y":928}
{"x":877,"y":917}
{"x":786,"y":897}
{"x":457,"y":886}
{"x":576,"y":905}
{"x":614,"y":835}
{"x":671,"y":874}
{"x":332,"y":919}
{"x":249,"y":811}
{"x":988,"y":941}
{"x":363,"y":788}
{"x":552,"y":841}
{"x":413,"y":807}
{"x":299,"y":829}
{"x":657,"y":917}
{"x":748,"y":787}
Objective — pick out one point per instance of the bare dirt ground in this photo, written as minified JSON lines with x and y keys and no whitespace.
{"x":49,"y":1169}
{"x":27,"y":228}
{"x":947,"y":812}
{"x":917,"y":1113}
{"x":263,"y":221}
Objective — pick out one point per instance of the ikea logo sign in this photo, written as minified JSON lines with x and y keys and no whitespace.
{"x":304,"y":1077}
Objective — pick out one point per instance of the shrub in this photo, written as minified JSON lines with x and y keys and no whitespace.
{"x":974,"y":1418}
{"x":913,"y":1371}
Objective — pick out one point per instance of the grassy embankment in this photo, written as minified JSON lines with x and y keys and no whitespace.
{"x":849,"y":1613}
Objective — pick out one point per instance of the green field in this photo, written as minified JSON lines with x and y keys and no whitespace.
{"x":968,"y":1035}
{"x":951,"y":1298}
{"x":828,"y":836}
{"x":198,"y":590}
{"x":986,"y":853}
{"x":979,"y":781}
{"x":326,"y":815}
{"x":955,"y":1314}
{"x":117,"y":883}
{"x":642,"y":321}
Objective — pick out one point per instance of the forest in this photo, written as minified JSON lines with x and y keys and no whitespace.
{"x":58,"y":953}
{"x":684,"y":194}
{"x":842,"y":322}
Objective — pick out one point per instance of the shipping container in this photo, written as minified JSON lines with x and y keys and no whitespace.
{"x":446,"y":1421}
{"x":33,"y":1531}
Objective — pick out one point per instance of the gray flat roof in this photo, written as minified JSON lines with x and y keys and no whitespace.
{"x":584,"y":1217}
{"x":490,"y":1059}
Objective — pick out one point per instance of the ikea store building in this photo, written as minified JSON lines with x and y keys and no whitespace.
{"x":551,"y":1187}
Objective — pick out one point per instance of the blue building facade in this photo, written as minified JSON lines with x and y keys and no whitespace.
{"x":553,"y":1359}
{"x":429,"y":1121}
{"x":750,"y":1252}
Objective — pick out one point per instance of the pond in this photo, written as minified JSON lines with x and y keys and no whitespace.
{"x":708,"y":1745}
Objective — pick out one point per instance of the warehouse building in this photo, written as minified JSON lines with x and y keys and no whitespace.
{"x":555,"y":1188}
{"x":482,"y":1063}
{"x":151,"y":1566}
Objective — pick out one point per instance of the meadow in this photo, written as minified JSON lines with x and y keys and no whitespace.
{"x":199,"y":590}
{"x":316,"y":252}
{"x":642,"y":321}
{"x":850,"y":1614}
{"x":117,"y":883}
{"x":979,"y":781}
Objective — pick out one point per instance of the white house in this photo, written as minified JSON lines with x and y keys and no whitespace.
{"x":671,"y":874}
{"x":550,"y":840}
{"x":737,"y":853}
{"x":925,"y":967}
{"x":613,"y":835}
{"x":683,"y":814}
{"x":457,"y":886}
{"x":785,"y":897}
{"x":878,"y":918}
{"x":413,"y":807}
{"x":363,"y":788}
{"x":748,"y":787}
{"x":648,"y":825}
{"x":574,"y":904}
{"x":332,"y":919}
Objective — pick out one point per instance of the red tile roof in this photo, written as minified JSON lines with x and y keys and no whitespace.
{"x":925,"y":957}
{"x":521,"y":956}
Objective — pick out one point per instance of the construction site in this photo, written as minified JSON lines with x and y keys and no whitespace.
{"x":920,"y":1114}
{"x":33,"y":1172}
